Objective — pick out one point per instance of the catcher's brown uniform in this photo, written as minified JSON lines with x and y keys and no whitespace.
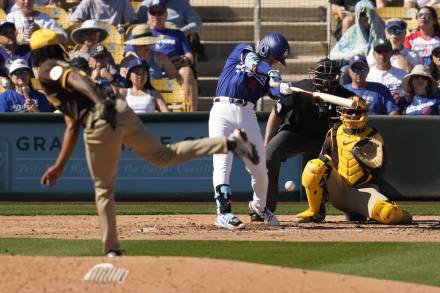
{"x":350,"y":161}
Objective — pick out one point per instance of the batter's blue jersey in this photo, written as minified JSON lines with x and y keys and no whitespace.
{"x":237,"y":81}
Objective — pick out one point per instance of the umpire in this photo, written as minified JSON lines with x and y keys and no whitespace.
{"x":298,"y":123}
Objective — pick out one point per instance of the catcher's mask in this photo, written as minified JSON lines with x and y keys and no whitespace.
{"x":325,"y":75}
{"x":354,"y":118}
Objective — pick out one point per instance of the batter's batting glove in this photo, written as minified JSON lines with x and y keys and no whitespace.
{"x":274,"y":78}
{"x":239,"y":144}
{"x":285,"y":88}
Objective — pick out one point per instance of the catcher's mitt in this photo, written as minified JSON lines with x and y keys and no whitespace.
{"x":369,"y":152}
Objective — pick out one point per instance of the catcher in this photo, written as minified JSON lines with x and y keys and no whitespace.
{"x":351,"y":158}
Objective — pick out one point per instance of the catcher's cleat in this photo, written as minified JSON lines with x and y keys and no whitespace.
{"x":268,"y":217}
{"x":240,"y":145}
{"x":308,"y":216}
{"x":114,"y":253}
{"x":229,"y":222}
{"x":255,"y":217}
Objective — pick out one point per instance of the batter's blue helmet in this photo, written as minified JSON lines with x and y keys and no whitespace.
{"x":275,"y":45}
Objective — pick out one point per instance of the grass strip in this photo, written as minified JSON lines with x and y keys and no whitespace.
{"x":408,"y":262}
{"x":172,"y":208}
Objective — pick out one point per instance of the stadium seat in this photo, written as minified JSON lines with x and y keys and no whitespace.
{"x":172,"y":92}
{"x":397,"y":12}
{"x":2,"y":15}
{"x":57,"y":13}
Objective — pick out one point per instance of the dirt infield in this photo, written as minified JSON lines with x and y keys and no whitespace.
{"x":171,"y":274}
{"x":201,"y":227}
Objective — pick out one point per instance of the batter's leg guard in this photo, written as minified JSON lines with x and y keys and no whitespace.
{"x":312,"y":176}
{"x":387,"y":212}
{"x":223,"y":198}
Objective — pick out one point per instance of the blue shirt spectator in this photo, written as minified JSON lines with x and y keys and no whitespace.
{"x":378,"y":97}
{"x":22,"y":98}
{"x":9,"y":49}
{"x":111,"y":11}
{"x":180,"y":13}
{"x":174,"y":42}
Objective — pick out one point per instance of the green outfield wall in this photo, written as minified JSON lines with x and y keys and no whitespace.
{"x":29,"y":143}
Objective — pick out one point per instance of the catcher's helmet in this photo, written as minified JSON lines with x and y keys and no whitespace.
{"x":325,"y":75}
{"x":354,"y":118}
{"x":275,"y":45}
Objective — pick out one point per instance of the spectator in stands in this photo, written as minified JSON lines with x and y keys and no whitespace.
{"x":27,"y":20}
{"x":111,"y":11}
{"x":383,"y":72}
{"x":343,"y":10}
{"x":140,"y":43}
{"x":423,"y":95}
{"x":427,"y":36}
{"x":360,"y":36}
{"x":141,"y":96}
{"x":176,"y":47}
{"x":402,"y":57}
{"x":420,"y":3}
{"x":9,"y":49}
{"x":56,"y":3}
{"x":434,"y":67}
{"x":22,"y":98}
{"x":184,"y":17}
{"x":86,"y":36}
{"x":377,"y":96}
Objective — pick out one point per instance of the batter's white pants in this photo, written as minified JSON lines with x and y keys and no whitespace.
{"x":224,"y":118}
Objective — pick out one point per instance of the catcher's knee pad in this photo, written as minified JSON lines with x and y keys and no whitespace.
{"x":311,"y":179}
{"x":388,"y":212}
{"x":223,"y":198}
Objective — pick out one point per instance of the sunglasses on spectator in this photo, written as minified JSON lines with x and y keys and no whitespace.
{"x":395,"y":31}
{"x":420,"y":77}
{"x":382,"y":50}
{"x":21,"y":72}
{"x":427,"y":16}
{"x":356,"y":112}
{"x":156,"y":12}
{"x":359,"y":68}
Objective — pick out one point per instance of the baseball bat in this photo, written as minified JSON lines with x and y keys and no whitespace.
{"x":328,"y":98}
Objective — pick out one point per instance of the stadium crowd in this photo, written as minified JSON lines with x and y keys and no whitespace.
{"x":105,"y":38}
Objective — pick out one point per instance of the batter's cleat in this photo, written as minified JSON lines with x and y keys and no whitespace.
{"x":229,"y":222}
{"x":268,"y":217}
{"x":255,"y":217}
{"x":114,"y":253}
{"x":240,"y":145}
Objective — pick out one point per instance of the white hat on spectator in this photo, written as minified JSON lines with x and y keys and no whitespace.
{"x":142,"y":35}
{"x":18,"y":64}
{"x":88,"y":25}
{"x":419,"y":70}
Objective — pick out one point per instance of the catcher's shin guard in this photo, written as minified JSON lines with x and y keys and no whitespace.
{"x":311,"y":180}
{"x":223,"y":198}
{"x":387,"y":212}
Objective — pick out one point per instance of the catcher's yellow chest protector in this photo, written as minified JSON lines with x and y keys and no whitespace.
{"x":348,"y":167}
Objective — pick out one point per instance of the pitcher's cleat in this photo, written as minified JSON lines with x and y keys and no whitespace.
{"x":239,"y":144}
{"x":229,"y":222}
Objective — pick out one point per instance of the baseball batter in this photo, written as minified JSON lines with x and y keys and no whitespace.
{"x":344,"y":173}
{"x":247,"y":76}
{"x":108,"y":124}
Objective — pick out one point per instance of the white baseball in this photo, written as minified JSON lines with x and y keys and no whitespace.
{"x":289,"y":185}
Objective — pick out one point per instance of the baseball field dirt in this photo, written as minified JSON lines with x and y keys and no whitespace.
{"x":173,"y":274}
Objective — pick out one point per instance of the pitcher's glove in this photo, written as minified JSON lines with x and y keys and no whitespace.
{"x":369,"y":152}
{"x":106,"y":110}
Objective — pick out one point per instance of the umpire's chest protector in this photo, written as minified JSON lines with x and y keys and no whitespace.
{"x":348,"y":167}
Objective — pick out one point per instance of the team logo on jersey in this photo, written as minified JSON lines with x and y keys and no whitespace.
{"x":262,"y":79}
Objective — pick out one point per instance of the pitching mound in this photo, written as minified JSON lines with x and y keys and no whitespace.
{"x":173,"y":274}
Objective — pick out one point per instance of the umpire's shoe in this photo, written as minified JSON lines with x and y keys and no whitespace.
{"x":228,"y":221}
{"x":238,"y":143}
{"x":268,"y":217}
